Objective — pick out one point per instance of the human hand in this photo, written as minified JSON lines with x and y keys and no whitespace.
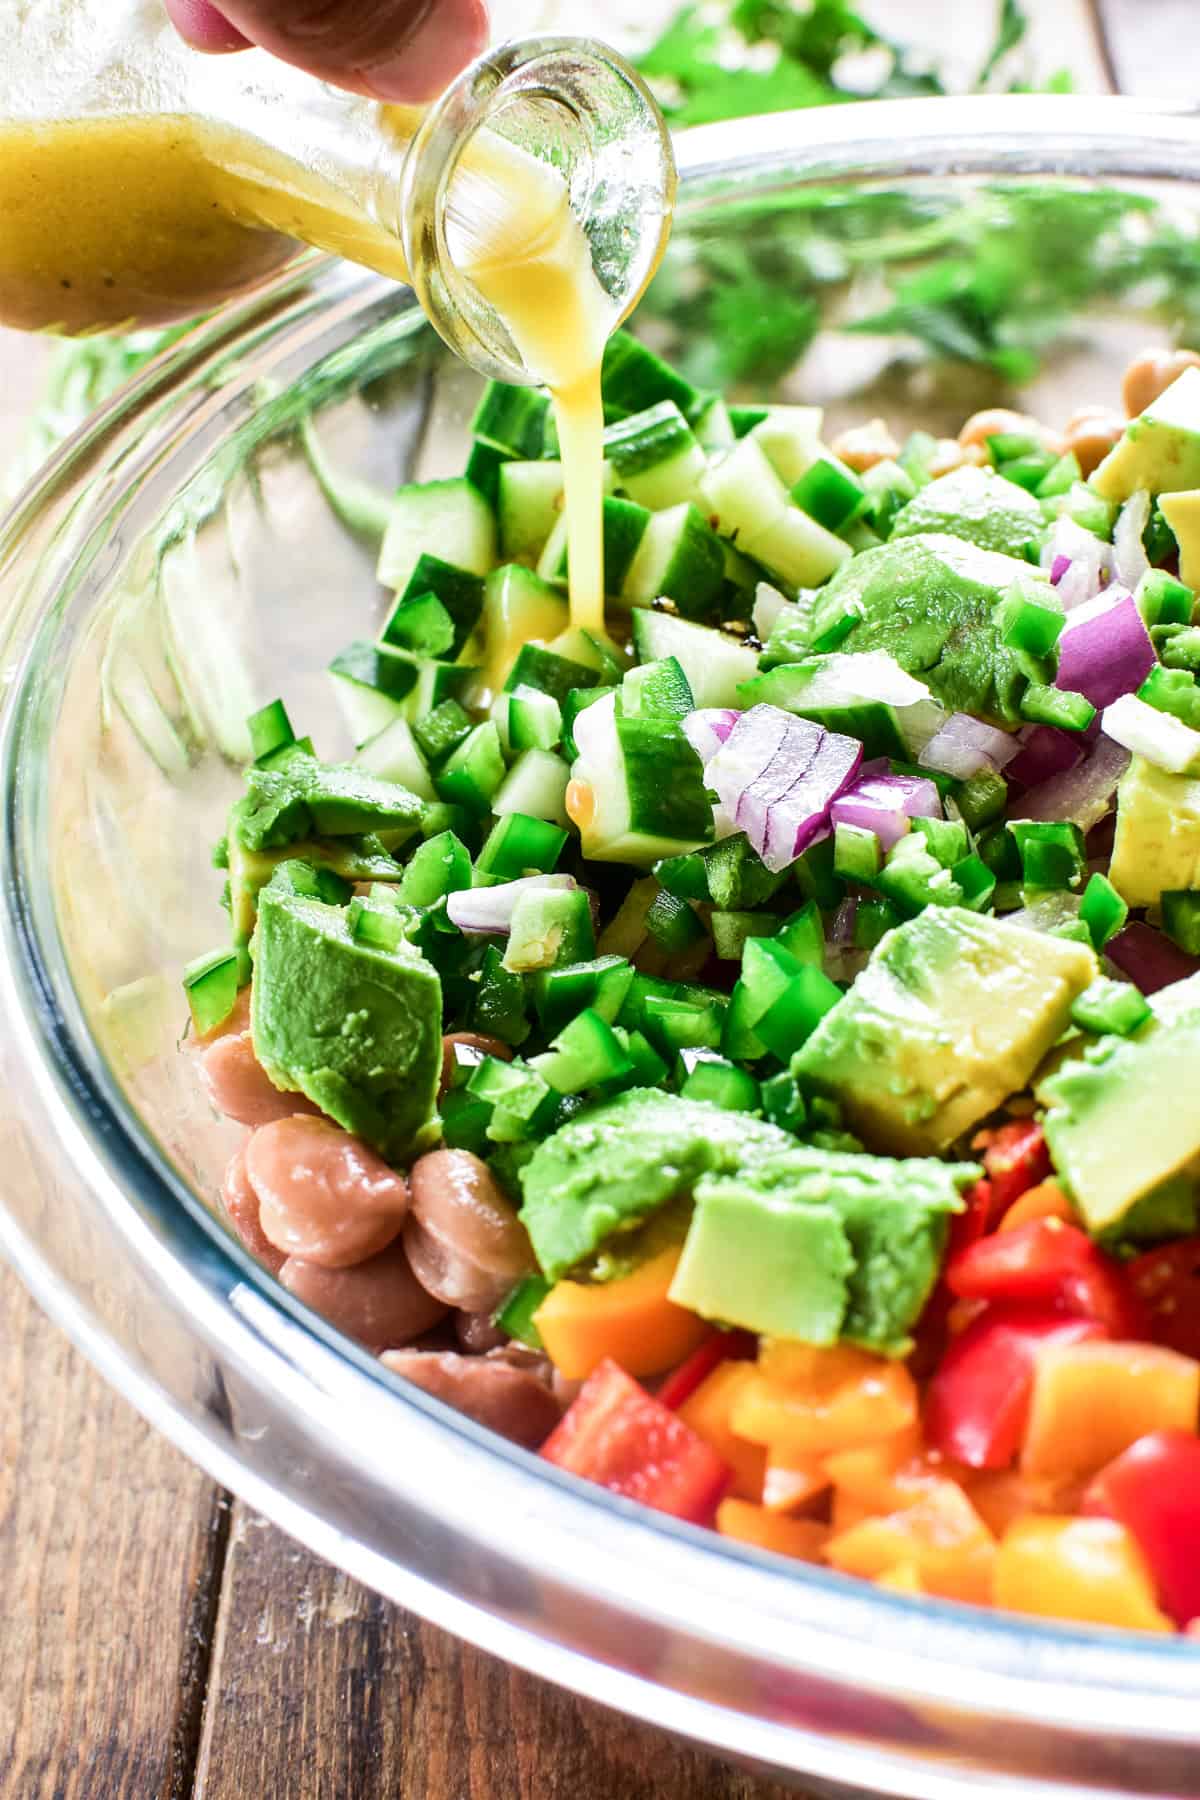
{"x":397,"y":50}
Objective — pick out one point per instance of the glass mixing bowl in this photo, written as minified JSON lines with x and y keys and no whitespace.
{"x":178,"y":564}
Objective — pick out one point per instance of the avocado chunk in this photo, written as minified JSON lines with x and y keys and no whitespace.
{"x":768,"y":1262}
{"x":952,"y":1014}
{"x":1122,"y":1119}
{"x":977,"y":505}
{"x":783,"y":1246}
{"x":1182,"y":513}
{"x":928,"y":602}
{"x":1157,"y":846}
{"x":608,"y":1169}
{"x":1160,"y":449}
{"x":354,"y":1026}
{"x":299,"y":797}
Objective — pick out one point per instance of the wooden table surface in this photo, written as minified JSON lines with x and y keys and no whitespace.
{"x":160,"y":1641}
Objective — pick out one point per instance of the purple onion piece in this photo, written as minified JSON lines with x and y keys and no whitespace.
{"x":1148,"y":957}
{"x":964,"y":746}
{"x":1083,"y":794}
{"x":1079,"y":562}
{"x":708,"y":728}
{"x":1130,"y":561}
{"x":800,"y":818}
{"x":1046,"y":752}
{"x":884,"y":804}
{"x":1105,"y":650}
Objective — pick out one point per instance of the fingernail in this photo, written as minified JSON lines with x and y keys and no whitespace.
{"x":204,"y":28}
{"x":448,"y":35}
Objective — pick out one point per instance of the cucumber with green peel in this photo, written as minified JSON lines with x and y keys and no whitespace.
{"x":657,"y":690}
{"x":437,"y":518}
{"x":680,"y":558}
{"x":634,"y":378}
{"x":512,"y":419}
{"x":460,"y":591}
{"x":656,"y":457}
{"x":593,"y":650}
{"x":742,"y":494}
{"x":745,"y":418}
{"x":393,"y":755}
{"x":472,"y":775}
{"x":548,"y":672}
{"x":713,"y":425}
{"x":529,"y":504}
{"x":715,"y":664}
{"x":796,"y":550}
{"x":518,"y":609}
{"x":625,"y":524}
{"x":376,"y":683}
{"x":421,"y":625}
{"x":537,"y":785}
{"x":483,"y":470}
{"x":790,"y":439}
{"x":642,"y":789}
{"x":528,"y":719}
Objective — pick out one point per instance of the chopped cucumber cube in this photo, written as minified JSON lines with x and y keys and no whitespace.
{"x":715,"y":665}
{"x":536,"y":784}
{"x":393,"y":755}
{"x":435,"y":518}
{"x":474,"y":771}
{"x":655,"y":456}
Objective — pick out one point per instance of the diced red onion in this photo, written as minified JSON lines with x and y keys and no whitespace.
{"x":707,"y":728}
{"x":884,"y":804}
{"x":966,"y":745}
{"x":1045,"y":752}
{"x":768,"y":604}
{"x":1105,"y":650}
{"x":1083,"y":794}
{"x":1158,"y":736}
{"x":1148,"y":957}
{"x":778,"y":775}
{"x":1079,"y":562}
{"x":490,"y":909}
{"x":1130,"y":561}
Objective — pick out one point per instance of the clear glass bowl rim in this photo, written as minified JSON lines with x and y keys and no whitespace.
{"x":702,"y":1588}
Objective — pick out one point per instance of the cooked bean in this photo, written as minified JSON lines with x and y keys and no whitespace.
{"x":949,"y":455}
{"x":1151,"y":374}
{"x":241,"y":1204}
{"x":239,"y":1086}
{"x":469,"y":1040}
{"x":323,"y":1195}
{"x":463,"y":1237}
{"x":477,"y":1334}
{"x":508,"y":1398}
{"x":1091,"y":433}
{"x":380,"y":1302}
{"x":1002,"y":421}
{"x":862,"y":446}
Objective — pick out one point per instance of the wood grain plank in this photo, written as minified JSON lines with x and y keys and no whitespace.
{"x":322,"y":1691}
{"x":111,"y":1545}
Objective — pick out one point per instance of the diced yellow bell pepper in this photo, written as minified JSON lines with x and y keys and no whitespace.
{"x":807,"y":1401}
{"x":941,"y":1535}
{"x":1089,"y":1570}
{"x":1046,"y":1201}
{"x":1001,"y":1495}
{"x":904,"y":1578}
{"x":755,"y":1525}
{"x":882,"y":1477}
{"x":792,"y":1481}
{"x":707,"y":1411}
{"x":1092,"y":1400}
{"x":631,"y":1320}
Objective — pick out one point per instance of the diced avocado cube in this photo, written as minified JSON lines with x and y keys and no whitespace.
{"x":763,"y":1262}
{"x":1160,"y":450}
{"x":353,"y":1025}
{"x":977,"y":505}
{"x":952,"y":1014}
{"x":929,"y":602}
{"x":1182,"y":513}
{"x":1120,"y":1120}
{"x":1157,"y":846}
{"x":603,"y":1174}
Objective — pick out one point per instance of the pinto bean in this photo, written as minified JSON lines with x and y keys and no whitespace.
{"x":380,"y":1301}
{"x":469,"y":1040}
{"x":323,"y":1195}
{"x":949,"y":455}
{"x":862,"y":446}
{"x":477,"y":1334}
{"x":1091,"y":433}
{"x":463,"y":1237}
{"x":506,"y":1397}
{"x":1151,"y":374}
{"x":239,"y":1086}
{"x":241,"y":1204}
{"x":998,"y":421}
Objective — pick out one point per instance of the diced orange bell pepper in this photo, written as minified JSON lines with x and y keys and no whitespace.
{"x":631,"y":1320}
{"x":847,"y":1510}
{"x":1089,"y":1570}
{"x":809,"y":1401}
{"x":707,"y":1411}
{"x":755,"y":1525}
{"x":792,"y":1481}
{"x":1046,"y":1201}
{"x":1001,"y":1495}
{"x":904,"y":1578}
{"x":941,"y":1535}
{"x":1092,"y":1400}
{"x":883,"y":1477}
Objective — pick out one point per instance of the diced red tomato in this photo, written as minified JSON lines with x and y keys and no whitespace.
{"x":1153,"y":1490}
{"x":977,"y":1405}
{"x":1049,"y":1261}
{"x":966,"y":1228}
{"x":1167,"y":1284}
{"x":1015,"y":1158}
{"x":722,"y":1346}
{"x":617,"y":1434}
